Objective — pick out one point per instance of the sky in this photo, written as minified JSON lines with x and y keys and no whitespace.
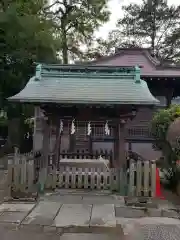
{"x":116,"y":12}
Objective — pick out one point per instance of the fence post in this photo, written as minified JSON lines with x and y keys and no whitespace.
{"x":17,"y":169}
{"x":131,"y":177}
{"x":138,"y":177}
{"x":23,"y":172}
{"x":31,"y":175}
{"x":10,"y":174}
{"x":153,"y":178}
{"x":146,"y":178}
{"x":16,"y":155}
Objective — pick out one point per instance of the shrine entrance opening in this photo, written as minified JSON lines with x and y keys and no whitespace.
{"x":82,"y":141}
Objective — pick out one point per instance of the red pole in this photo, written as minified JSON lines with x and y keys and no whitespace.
{"x":158,"y":185}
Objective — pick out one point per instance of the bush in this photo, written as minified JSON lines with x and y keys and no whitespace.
{"x":160,"y":125}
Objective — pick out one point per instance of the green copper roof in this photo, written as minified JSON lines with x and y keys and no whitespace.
{"x":86,"y":84}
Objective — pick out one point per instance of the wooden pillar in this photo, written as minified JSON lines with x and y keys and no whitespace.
{"x":129,"y":146}
{"x":121,"y":164}
{"x":58,"y":143}
{"x":122,"y":144}
{"x":90,"y":145}
{"x":116,"y":146}
{"x":169,"y":96}
{"x":45,"y":154}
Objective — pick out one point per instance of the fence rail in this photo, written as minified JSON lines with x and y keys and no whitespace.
{"x":141,"y":178}
{"x":23,"y":175}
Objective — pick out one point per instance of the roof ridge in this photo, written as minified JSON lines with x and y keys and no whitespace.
{"x":50,"y":69}
{"x":88,"y":71}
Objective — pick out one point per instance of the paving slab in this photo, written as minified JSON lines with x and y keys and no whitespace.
{"x":170,"y":213}
{"x":119,"y":200}
{"x":154,"y":212}
{"x":128,"y":212}
{"x":127,"y":224}
{"x":43,"y":214}
{"x":19,"y":207}
{"x":12,"y":217}
{"x":63,"y":198}
{"x":83,"y":192}
{"x":73,"y":215}
{"x":88,"y":236}
{"x":103,"y":215}
{"x":16,"y":234}
{"x":98,"y":199}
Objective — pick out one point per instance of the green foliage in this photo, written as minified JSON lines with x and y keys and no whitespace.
{"x":160,"y":124}
{"x":75,"y":24}
{"x":26,"y":37}
{"x":38,"y":31}
{"x":151,"y":23}
{"x":162,"y":120}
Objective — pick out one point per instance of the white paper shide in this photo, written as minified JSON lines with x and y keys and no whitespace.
{"x":107,"y":129}
{"x":89,"y":129}
{"x":73,"y":128}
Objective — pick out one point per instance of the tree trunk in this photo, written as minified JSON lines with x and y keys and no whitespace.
{"x":153,"y":36}
{"x":64,"y":41}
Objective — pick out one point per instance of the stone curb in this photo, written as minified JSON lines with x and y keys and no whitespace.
{"x":139,"y":212}
{"x":118,"y":229}
{"x":70,"y":229}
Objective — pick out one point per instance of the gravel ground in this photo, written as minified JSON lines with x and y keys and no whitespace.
{"x":154,"y":232}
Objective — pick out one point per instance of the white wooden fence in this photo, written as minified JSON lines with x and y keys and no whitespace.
{"x":20,"y":172}
{"x":140,"y":177}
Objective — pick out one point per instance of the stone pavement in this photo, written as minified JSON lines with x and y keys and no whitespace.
{"x":10,"y":234}
{"x":62,"y":213}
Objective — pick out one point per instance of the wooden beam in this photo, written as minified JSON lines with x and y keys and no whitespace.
{"x":45,"y":153}
{"x":90,"y":113}
{"x":122,"y":158}
{"x":58,"y":143}
{"x":122,"y":144}
{"x":116,"y":145}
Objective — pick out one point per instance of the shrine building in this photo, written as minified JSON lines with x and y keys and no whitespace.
{"x":96,"y":106}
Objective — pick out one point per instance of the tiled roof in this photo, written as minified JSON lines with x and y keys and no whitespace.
{"x":86,"y":84}
{"x":150,"y":66}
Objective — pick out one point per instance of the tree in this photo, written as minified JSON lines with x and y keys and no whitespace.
{"x":161,"y":123}
{"x":75,"y":22}
{"x":148,"y":24}
{"x":26,"y":36}
{"x":172,"y":43}
{"x":106,"y":47}
{"x":165,"y":129}
{"x":28,"y":41}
